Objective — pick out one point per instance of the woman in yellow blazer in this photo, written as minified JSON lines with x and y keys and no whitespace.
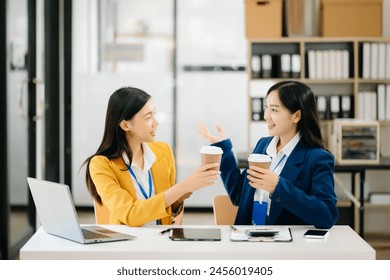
{"x":133,"y":176}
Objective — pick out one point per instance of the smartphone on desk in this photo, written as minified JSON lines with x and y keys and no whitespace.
{"x":315,"y":233}
{"x":261,"y":232}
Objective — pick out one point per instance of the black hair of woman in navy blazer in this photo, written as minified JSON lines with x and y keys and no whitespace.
{"x":303,"y":192}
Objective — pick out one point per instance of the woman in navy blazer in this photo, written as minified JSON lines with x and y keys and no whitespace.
{"x":302,"y":191}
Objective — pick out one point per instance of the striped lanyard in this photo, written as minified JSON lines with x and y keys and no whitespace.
{"x":280,"y":161}
{"x":139,"y":184}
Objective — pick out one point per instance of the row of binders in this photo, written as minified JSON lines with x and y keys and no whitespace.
{"x":328,"y":64}
{"x":335,"y":106}
{"x":268,"y":66}
{"x":376,"y":61}
{"x":375,"y":105}
{"x":329,"y":107}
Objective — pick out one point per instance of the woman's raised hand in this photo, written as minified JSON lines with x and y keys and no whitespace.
{"x":212,"y":138}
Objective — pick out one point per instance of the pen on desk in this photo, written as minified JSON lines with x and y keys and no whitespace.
{"x":233,"y":228}
{"x":165,"y":230}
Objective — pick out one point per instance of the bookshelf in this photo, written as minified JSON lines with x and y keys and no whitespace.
{"x":349,"y":79}
{"x":337,"y":69}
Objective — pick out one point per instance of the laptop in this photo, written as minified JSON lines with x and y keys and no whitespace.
{"x":58,"y":215}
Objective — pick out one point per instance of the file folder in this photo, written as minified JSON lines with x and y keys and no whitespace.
{"x":366,"y":61}
{"x":296,"y":66}
{"x":346,"y":106}
{"x":285,"y":65}
{"x":381,"y":102}
{"x":322,"y":106}
{"x":256,"y":66}
{"x":334,"y":107}
{"x":266,"y":63}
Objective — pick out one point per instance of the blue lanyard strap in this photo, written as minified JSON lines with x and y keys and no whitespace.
{"x":280,"y":161}
{"x":139,"y":184}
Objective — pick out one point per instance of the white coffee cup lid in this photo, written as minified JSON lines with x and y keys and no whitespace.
{"x":259,"y":158}
{"x":213,"y":150}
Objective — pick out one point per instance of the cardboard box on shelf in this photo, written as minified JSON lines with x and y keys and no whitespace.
{"x":263,"y":19}
{"x":347,"y":18}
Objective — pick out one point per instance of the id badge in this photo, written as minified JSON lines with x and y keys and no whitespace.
{"x":259,"y":213}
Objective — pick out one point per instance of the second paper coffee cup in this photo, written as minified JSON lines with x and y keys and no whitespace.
{"x":210,"y":154}
{"x":259,"y":160}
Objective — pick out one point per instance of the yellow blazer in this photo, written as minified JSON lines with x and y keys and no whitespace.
{"x":115,"y":187}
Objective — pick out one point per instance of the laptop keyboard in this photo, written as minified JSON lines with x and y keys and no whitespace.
{"x":93,"y":235}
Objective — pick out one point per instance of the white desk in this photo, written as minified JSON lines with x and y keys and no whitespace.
{"x":341,"y":243}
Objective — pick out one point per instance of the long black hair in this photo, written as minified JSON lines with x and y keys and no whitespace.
{"x":296,"y":96}
{"x":123,"y":104}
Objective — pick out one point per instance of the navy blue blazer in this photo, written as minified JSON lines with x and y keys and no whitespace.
{"x":304,"y":194}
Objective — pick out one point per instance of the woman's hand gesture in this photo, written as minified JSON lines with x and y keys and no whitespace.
{"x":212,"y":138}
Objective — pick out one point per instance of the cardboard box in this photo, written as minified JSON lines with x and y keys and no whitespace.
{"x":349,"y":18}
{"x":263,"y":19}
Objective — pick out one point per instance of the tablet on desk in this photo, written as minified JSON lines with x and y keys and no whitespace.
{"x":195,"y":234}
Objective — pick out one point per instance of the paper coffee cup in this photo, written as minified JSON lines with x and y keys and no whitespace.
{"x":210,"y":154}
{"x":259,"y":160}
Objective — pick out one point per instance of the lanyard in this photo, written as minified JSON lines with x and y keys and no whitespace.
{"x":139,"y":184}
{"x":283,"y":157}
{"x":261,"y":192}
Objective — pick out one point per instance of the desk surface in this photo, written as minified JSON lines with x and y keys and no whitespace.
{"x":384,"y":164}
{"x":342,"y":243}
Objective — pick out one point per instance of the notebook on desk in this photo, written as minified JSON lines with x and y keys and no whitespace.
{"x":58,"y":215}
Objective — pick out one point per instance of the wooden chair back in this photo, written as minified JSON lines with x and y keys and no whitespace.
{"x":224,"y":211}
